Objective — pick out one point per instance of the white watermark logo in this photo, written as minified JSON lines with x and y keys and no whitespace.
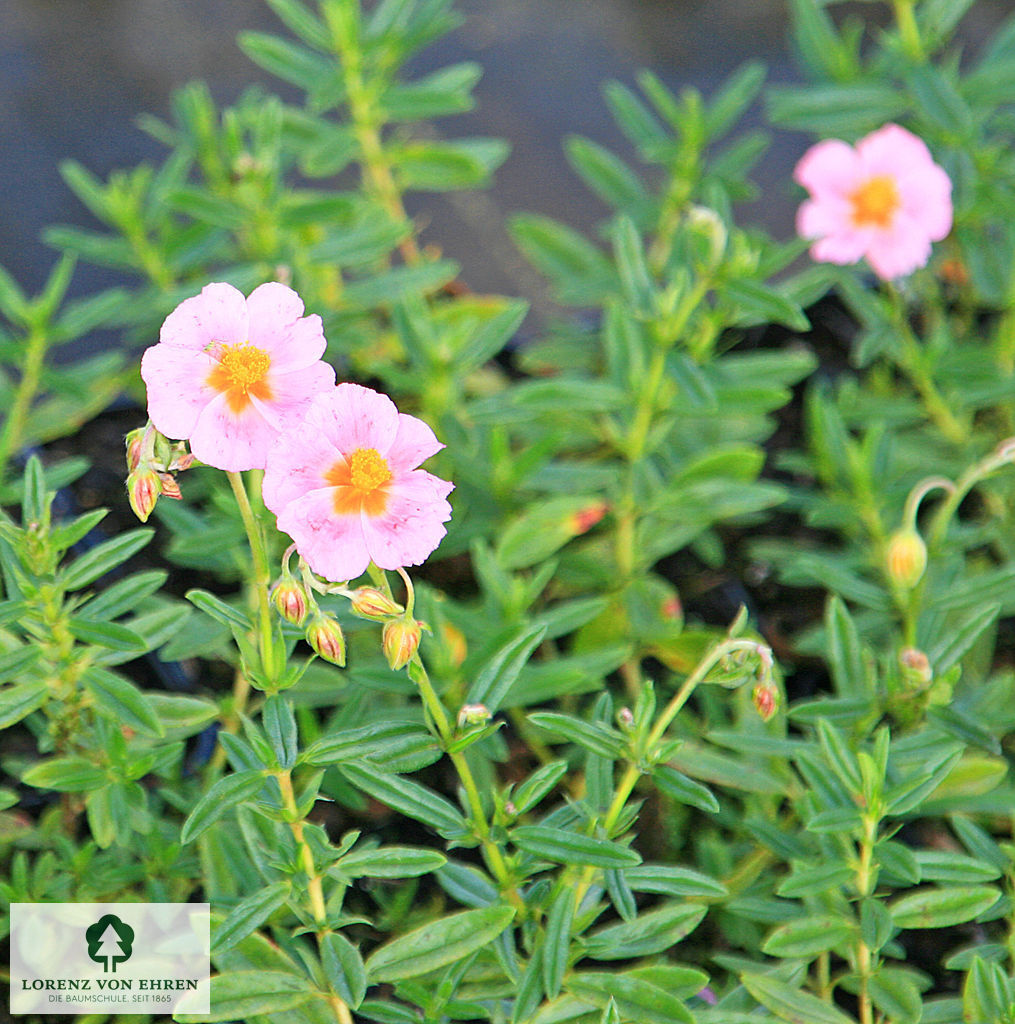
{"x":77,"y":958}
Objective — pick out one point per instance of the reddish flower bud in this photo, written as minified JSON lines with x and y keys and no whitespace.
{"x":766,"y":700}
{"x":143,"y":490}
{"x":401,"y":641}
{"x":290,"y":601}
{"x":906,"y":558}
{"x":325,"y":636}
{"x":473,"y":714}
{"x":134,"y":441}
{"x":915,"y":666}
{"x":585,"y":518}
{"x":672,"y":608}
{"x":371,"y":603}
{"x":170,"y":488}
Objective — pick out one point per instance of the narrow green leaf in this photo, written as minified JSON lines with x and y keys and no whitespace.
{"x":390,"y":862}
{"x":66,"y":774}
{"x":499,"y":674}
{"x":248,"y":915}
{"x":20,"y":700}
{"x":344,"y":968}
{"x":597,"y":738}
{"x":637,"y":999}
{"x":280,"y":725}
{"x":565,"y":847}
{"x":219,"y":610}
{"x":670,"y":880}
{"x":105,"y":634}
{"x":649,"y":933}
{"x":107,"y":555}
{"x":437,"y":944}
{"x":684,"y":790}
{"x":242,"y":995}
{"x":789,"y":1003}
{"x":557,"y":944}
{"x":123,"y":701}
{"x":407,"y":796}
{"x":222,"y":797}
{"x":807,"y":936}
{"x":940,"y":908}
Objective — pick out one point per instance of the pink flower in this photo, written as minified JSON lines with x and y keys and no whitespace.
{"x":229,"y":373}
{"x":345,"y":486}
{"x":886,"y":200}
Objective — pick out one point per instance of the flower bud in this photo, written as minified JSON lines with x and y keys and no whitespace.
{"x":625,"y":717}
{"x":585,"y":518}
{"x":325,"y":636}
{"x":766,"y":700}
{"x":170,"y":488}
{"x":371,"y":603}
{"x":906,"y":558}
{"x":401,"y":641}
{"x":143,"y":490}
{"x":473,"y":714}
{"x":134,"y":443}
{"x":915,"y":666}
{"x":290,"y":600}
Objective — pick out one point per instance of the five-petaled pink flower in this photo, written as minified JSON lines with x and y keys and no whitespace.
{"x":345,"y":486}
{"x":886,"y":200}
{"x":230,"y":373}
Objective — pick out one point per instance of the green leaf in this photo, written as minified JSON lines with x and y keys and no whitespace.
{"x":242,"y":995}
{"x":280,"y":724}
{"x":896,"y":994}
{"x":287,"y":60}
{"x":807,"y":936}
{"x":66,"y":774}
{"x":557,"y":944}
{"x":437,"y":944}
{"x":222,"y":797}
{"x":537,"y":785}
{"x":939,"y":908}
{"x":637,"y":999}
{"x":789,"y":1003}
{"x":670,"y":880}
{"x":20,"y":700}
{"x":107,"y":555}
{"x":33,"y":502}
{"x":122,"y":701}
{"x":344,"y":968}
{"x":124,"y":595}
{"x":248,"y":915}
{"x":948,"y":866}
{"x":836,"y":110}
{"x":105,"y":634}
{"x":443,"y":92}
{"x":499,"y":674}
{"x":593,"y":736}
{"x":635,"y":279}
{"x":807,"y":880}
{"x":842,"y":650}
{"x":607,"y":175}
{"x":408,"y":797}
{"x":987,"y":994}
{"x":565,"y":847}
{"x":393,"y":286}
{"x":17,"y":661}
{"x":390,"y":862}
{"x":219,"y":610}
{"x":938,"y":100}
{"x":679,"y":787}
{"x":758,"y":303}
{"x":649,"y":933}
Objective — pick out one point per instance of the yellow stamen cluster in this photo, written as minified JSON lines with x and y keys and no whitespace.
{"x":875,"y":202}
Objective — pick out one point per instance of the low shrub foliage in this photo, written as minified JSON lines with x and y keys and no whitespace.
{"x":653,"y":665}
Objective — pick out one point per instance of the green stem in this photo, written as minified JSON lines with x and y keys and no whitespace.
{"x":13,"y":432}
{"x":909,"y":30}
{"x":315,"y":887}
{"x":865,"y":886}
{"x":494,"y":855}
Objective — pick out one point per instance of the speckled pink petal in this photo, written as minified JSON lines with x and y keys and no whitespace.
{"x":356,"y":417}
{"x":177,"y":389}
{"x":297,"y":462}
{"x":229,"y":440}
{"x":412,"y":524}
{"x":332,"y":545}
{"x":278,"y":326}
{"x":217,"y":314}
{"x":293,"y":391}
{"x":414,"y":441}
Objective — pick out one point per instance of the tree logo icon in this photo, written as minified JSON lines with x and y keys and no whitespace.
{"x":110,"y":941}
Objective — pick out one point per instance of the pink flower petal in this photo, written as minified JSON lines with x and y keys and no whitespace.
{"x":412,"y":524}
{"x":297,"y":462}
{"x":278,"y":327}
{"x":891,"y":150}
{"x":292,"y":392}
{"x":177,"y":389}
{"x":927,"y":199}
{"x":414,"y":442}
{"x":356,"y":417}
{"x":829,"y":168}
{"x":332,"y":545}
{"x":899,"y":251}
{"x":229,"y":440}
{"x":218,"y":314}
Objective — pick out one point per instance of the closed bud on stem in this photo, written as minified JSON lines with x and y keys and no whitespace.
{"x":325,"y":636}
{"x":143,"y":490}
{"x":585,"y":518}
{"x":401,"y":641}
{"x":134,"y":443}
{"x":371,"y":603}
{"x":906,"y":558}
{"x":290,"y":600}
{"x":473,"y":714}
{"x":916,"y":667}
{"x":766,"y":699}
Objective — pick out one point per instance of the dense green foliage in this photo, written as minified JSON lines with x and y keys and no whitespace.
{"x":641,"y":823}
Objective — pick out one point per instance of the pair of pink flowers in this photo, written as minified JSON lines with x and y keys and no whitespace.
{"x":242,"y":379}
{"x":885,"y":200}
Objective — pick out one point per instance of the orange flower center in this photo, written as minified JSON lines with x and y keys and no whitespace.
{"x":240,"y":373}
{"x":359,"y":482}
{"x":875,"y":202}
